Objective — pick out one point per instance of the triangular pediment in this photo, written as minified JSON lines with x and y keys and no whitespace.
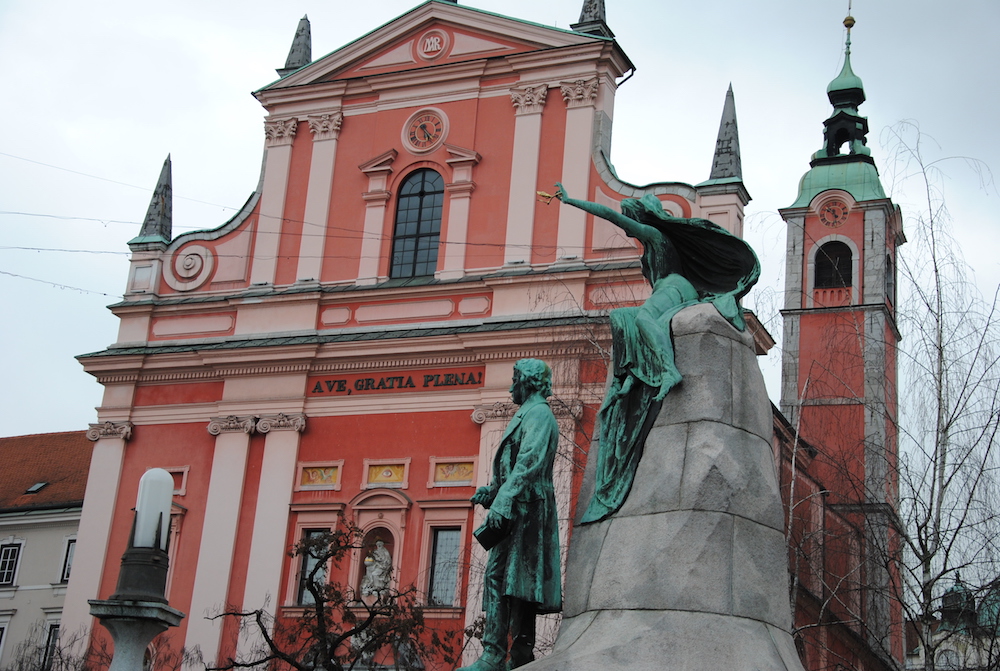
{"x":435,"y":33}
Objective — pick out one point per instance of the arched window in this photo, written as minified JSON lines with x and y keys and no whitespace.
{"x":418,"y":225}
{"x":833,"y":266}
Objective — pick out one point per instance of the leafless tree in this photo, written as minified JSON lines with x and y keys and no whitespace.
{"x":949,"y":402}
{"x":340,"y":629}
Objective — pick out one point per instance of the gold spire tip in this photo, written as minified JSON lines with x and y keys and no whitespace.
{"x":849,"y":22}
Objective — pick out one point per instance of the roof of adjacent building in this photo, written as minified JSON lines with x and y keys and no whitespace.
{"x":60,"y":460}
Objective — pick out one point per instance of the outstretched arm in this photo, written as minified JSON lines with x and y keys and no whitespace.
{"x":627,"y":224}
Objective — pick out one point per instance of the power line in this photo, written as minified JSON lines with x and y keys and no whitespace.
{"x":60,"y":286}
{"x":112,"y":181}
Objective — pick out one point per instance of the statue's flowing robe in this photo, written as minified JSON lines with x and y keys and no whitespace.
{"x":715,"y":267}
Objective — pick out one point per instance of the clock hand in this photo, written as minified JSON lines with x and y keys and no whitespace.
{"x":427,"y":135}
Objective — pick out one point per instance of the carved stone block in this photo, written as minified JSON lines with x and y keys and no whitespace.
{"x":679,"y":560}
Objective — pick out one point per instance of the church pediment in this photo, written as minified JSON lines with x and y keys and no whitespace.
{"x":435,"y":33}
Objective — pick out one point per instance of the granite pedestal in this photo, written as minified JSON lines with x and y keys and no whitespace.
{"x":691,"y":572}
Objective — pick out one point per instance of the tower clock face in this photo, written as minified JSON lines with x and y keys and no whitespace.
{"x":425,"y":131}
{"x":833,"y":213}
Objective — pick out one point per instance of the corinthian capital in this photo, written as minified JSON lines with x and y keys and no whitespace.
{"x":231,"y":424}
{"x":280,"y":132}
{"x":579,"y":93}
{"x":325,"y":126}
{"x":281,"y":422}
{"x":528,"y":99}
{"x":121,"y":430}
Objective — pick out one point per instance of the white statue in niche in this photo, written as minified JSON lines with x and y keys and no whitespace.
{"x":378,"y":570}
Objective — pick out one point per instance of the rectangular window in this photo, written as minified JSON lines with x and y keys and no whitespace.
{"x":307,"y":563}
{"x":9,"y":555}
{"x":51,"y":646}
{"x":68,"y":559}
{"x":444,"y":567}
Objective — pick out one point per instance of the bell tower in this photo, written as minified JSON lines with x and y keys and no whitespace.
{"x":840,"y":336}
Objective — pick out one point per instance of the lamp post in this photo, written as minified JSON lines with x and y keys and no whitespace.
{"x":138,"y":609}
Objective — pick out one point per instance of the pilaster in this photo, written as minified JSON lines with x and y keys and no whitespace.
{"x":267,"y":545}
{"x":528,"y":102}
{"x":376,"y":201}
{"x":218,"y":534}
{"x":580,"y":97}
{"x":279,"y":135}
{"x":95,"y":526}
{"x":325,"y":129}
{"x":459,"y":196}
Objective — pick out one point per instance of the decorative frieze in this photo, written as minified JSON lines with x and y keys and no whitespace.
{"x":278,"y":132}
{"x":528,"y":99}
{"x":232,"y":424}
{"x":281,"y":422}
{"x":580,"y":93}
{"x":325,"y":126}
{"x":120,"y":430}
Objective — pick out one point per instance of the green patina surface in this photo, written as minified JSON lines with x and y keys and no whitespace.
{"x":522,"y":576}
{"x":687,"y":261}
{"x":859,"y":178}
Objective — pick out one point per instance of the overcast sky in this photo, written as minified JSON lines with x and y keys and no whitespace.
{"x":97,"y":94}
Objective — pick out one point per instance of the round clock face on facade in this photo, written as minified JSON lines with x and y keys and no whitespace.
{"x":833,"y":213}
{"x":425,"y":131}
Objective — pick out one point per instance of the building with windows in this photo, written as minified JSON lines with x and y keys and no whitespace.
{"x":838,"y":396}
{"x":42,"y":480}
{"x":966,"y":636}
{"x":342,"y":348}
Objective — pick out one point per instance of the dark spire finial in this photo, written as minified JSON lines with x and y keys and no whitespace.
{"x":845,"y":134}
{"x":727,"y":161}
{"x":592,"y":19}
{"x":157,"y":225}
{"x":301,"y":52}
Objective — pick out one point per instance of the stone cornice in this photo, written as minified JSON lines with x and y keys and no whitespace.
{"x":281,"y":422}
{"x":528,"y":99}
{"x":280,"y":132}
{"x":120,"y":430}
{"x":232,"y":424}
{"x":325,"y":126}
{"x":580,"y":93}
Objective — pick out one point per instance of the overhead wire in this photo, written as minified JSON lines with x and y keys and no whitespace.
{"x":329,"y":231}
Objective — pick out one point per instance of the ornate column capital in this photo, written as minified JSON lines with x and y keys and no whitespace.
{"x":231,"y":424}
{"x":281,"y":422}
{"x":528,"y":99}
{"x":280,"y":132}
{"x":121,"y":430}
{"x":563,"y":410}
{"x":325,"y":126}
{"x":499,"y":410}
{"x":580,"y":93}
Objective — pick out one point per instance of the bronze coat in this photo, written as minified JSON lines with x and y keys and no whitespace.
{"x":528,"y":558}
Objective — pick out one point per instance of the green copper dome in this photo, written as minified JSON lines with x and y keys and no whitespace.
{"x":846,"y":80}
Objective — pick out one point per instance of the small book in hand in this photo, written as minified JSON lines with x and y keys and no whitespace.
{"x":490,"y":537}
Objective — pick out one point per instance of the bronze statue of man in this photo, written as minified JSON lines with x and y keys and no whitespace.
{"x":521,"y":530}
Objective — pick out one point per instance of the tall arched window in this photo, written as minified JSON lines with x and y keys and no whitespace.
{"x":418,"y":225}
{"x":833,"y":265}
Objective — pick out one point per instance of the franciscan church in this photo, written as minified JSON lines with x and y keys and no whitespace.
{"x":342,"y":348}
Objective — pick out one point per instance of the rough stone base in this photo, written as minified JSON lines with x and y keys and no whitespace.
{"x":664,"y":639}
{"x":691,"y":572}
